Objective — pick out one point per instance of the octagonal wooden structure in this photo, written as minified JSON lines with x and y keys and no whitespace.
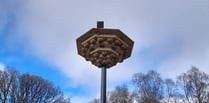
{"x":104,"y":47}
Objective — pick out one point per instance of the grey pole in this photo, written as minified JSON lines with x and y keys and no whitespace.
{"x":103,"y":84}
{"x":100,"y":24}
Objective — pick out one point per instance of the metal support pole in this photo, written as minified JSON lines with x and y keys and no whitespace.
{"x":100,"y":24}
{"x":103,"y":84}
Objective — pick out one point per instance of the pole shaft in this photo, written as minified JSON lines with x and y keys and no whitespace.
{"x":100,"y":24}
{"x":103,"y":85}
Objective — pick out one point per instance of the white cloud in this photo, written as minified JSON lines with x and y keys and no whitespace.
{"x":2,"y":67}
{"x":175,"y":30}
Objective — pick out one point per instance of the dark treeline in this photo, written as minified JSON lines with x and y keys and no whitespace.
{"x":189,"y":87}
{"x":25,"y":88}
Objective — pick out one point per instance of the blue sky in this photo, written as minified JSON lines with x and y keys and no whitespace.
{"x":39,"y":37}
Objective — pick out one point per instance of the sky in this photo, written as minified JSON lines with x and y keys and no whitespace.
{"x":39,"y":37}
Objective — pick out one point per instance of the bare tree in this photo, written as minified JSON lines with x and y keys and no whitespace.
{"x":195,"y":85}
{"x":136,"y":97}
{"x":34,"y":89}
{"x":15,"y":88}
{"x":149,"y":86}
{"x":191,"y":87}
{"x":7,"y":80}
{"x":170,"y":91}
{"x":120,"y":95}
